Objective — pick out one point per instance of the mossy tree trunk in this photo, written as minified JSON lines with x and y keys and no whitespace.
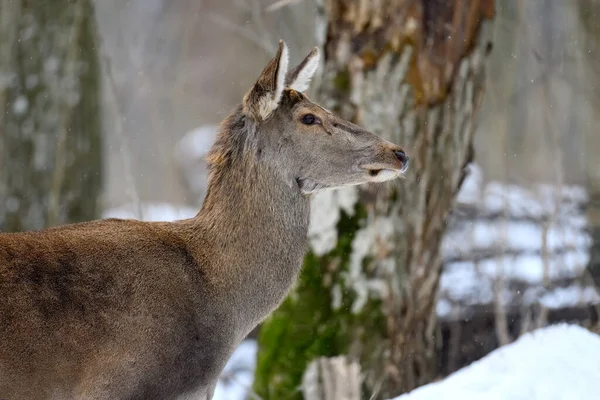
{"x":50,"y":122}
{"x":589,"y":11}
{"x":413,"y":72}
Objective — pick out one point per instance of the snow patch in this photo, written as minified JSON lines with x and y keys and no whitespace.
{"x":238,"y":375}
{"x":560,"y":362}
{"x":325,"y":209}
{"x":20,"y":105}
{"x":570,"y":297}
{"x":366,"y":242}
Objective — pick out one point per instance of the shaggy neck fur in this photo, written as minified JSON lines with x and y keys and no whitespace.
{"x":252,"y":209}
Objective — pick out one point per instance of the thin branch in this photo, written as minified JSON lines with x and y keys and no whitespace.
{"x":114,"y":103}
{"x":192,"y":20}
{"x":542,"y":317}
{"x":262,"y":30}
{"x":280,"y":4}
{"x":500,"y":317}
{"x":244,"y":32}
{"x":526,"y":320}
{"x":61,"y":146}
{"x":377,"y":388}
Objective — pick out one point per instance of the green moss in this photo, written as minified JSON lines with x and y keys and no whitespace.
{"x":342,"y":81}
{"x":305,"y":326}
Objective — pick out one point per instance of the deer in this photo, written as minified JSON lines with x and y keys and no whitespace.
{"x":128,"y":309}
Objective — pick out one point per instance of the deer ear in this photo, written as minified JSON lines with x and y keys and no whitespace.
{"x":299,"y":78}
{"x":263,"y":98}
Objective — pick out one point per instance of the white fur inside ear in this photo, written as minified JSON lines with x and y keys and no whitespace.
{"x":269,"y":102}
{"x":284,"y":60}
{"x":301,"y":82}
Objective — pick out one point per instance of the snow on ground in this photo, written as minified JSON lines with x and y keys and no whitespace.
{"x":560,"y":362}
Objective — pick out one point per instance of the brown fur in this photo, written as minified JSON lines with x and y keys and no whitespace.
{"x":124,"y":309}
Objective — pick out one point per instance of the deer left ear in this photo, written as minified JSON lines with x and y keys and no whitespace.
{"x":299,"y":78}
{"x":264,"y":97}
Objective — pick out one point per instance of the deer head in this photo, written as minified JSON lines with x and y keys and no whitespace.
{"x":309,"y":145}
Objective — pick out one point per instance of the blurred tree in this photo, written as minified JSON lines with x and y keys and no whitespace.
{"x":589,"y":10}
{"x":411,"y":71}
{"x":50,"y":123}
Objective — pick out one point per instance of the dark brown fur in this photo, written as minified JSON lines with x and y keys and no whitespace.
{"x":124,"y":309}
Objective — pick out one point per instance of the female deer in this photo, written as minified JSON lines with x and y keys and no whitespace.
{"x":124,"y":309}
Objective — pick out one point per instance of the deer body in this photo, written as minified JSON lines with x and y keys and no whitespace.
{"x":124,"y":309}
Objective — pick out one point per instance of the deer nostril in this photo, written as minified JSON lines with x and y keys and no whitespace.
{"x":400,"y":155}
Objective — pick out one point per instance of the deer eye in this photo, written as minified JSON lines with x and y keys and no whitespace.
{"x":309,"y":119}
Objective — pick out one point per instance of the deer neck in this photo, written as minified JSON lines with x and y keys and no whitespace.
{"x":256,"y":222}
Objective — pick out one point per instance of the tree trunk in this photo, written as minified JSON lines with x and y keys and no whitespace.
{"x":413,"y":72}
{"x":50,"y":124}
{"x":589,"y":10}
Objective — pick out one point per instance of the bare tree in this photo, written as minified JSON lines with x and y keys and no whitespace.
{"x":412,"y":71}
{"x":589,"y":10}
{"x":50,"y":124}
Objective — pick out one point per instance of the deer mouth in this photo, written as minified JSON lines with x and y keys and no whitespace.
{"x":381,"y":173}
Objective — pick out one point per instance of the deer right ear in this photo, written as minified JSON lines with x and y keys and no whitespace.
{"x":299,"y":77}
{"x":264,"y":97}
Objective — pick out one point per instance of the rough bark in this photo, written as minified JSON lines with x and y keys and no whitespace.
{"x":50,"y":126}
{"x":413,"y":72}
{"x":589,"y":11}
